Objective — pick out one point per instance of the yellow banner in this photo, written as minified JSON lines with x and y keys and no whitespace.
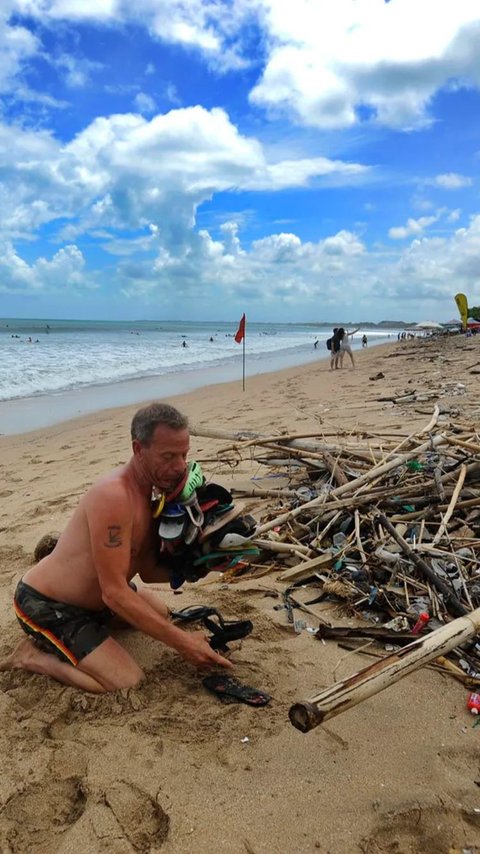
{"x":462,"y":306}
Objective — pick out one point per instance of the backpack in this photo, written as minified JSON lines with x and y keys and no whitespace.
{"x":328,"y":342}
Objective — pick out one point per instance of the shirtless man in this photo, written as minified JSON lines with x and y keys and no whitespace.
{"x":66,"y":601}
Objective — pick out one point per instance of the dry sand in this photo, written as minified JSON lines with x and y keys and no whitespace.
{"x":168,"y":767}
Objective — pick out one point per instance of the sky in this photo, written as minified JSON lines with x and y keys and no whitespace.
{"x":198,"y":159}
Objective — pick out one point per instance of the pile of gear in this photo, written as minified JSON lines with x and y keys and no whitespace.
{"x":200,"y":529}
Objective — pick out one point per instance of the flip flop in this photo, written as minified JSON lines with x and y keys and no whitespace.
{"x":220,"y":521}
{"x":230,"y":690}
{"x":194,"y":612}
{"x":226,"y":631}
{"x":223,"y":631}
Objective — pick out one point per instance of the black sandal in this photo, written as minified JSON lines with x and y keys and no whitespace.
{"x":223,"y":631}
{"x":230,"y":690}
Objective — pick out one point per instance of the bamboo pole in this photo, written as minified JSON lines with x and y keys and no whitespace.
{"x":308,"y":714}
{"x":250,"y":437}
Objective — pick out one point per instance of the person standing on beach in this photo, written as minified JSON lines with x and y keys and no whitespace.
{"x":345,"y":346}
{"x":67,"y":601}
{"x":334,"y":349}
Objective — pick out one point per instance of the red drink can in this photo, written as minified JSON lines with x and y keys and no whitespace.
{"x":473,"y":703}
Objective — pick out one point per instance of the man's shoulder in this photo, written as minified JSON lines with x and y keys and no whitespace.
{"x":111,"y":487}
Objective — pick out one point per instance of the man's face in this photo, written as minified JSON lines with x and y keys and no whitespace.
{"x":165,"y":459}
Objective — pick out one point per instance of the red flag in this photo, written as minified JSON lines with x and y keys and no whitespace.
{"x":240,"y":334}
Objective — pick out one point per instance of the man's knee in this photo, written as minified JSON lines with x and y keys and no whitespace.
{"x":131,"y":680}
{"x":118,"y":681}
{"x":112,"y":666}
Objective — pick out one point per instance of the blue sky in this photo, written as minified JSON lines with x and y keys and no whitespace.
{"x":197,"y":159}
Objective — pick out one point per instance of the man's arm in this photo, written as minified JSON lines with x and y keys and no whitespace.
{"x":153,"y":567}
{"x":110,"y":522}
{"x":152,"y":572}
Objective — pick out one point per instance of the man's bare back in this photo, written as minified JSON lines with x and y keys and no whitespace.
{"x":65,"y":602}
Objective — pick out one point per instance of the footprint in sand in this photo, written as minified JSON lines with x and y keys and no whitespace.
{"x":423,"y":828}
{"x":36,"y":819}
{"x":33,"y":820}
{"x":143,"y":821}
{"x":464,"y":762}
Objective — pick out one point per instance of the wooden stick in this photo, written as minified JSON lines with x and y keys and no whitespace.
{"x":308,"y":714}
{"x":451,"y":507}
{"x":441,"y":664}
{"x":451,"y":601}
{"x":272,"y":546}
{"x":251,"y":437}
{"x":359,"y":539}
{"x":432,"y":422}
{"x":308,"y":567}
{"x":334,"y":468}
{"x":352,"y":486}
{"x":468,"y":446}
{"x":257,"y":492}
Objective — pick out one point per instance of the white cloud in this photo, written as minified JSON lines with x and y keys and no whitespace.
{"x":318,"y":279}
{"x":126,"y":172}
{"x":144,"y":103}
{"x":172,"y":95}
{"x":76,"y":71}
{"x":328,"y":65}
{"x":452,"y":181}
{"x":96,"y":10}
{"x":437,"y":268}
{"x":64,"y":271}
{"x":344,"y":243}
{"x":211,"y":27}
{"x":278,"y":272}
{"x":454,"y":216}
{"x":412,"y":227}
{"x":17,"y":46}
{"x":297,"y":173}
{"x":326,"y":61}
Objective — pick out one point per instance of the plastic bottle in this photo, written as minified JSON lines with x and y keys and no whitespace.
{"x":473,"y":703}
{"x":422,"y":621}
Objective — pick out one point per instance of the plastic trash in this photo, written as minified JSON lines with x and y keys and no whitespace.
{"x":414,"y":465}
{"x":473,"y":703}
{"x":421,"y":623}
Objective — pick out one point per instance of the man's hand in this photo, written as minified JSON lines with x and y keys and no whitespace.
{"x":196,"y":649}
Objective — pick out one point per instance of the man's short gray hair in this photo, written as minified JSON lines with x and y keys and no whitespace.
{"x":147,"y":419}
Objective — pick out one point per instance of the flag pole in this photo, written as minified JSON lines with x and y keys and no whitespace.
{"x":240,"y":339}
{"x":243,"y":378}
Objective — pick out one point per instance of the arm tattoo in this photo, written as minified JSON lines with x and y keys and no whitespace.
{"x":114,"y":537}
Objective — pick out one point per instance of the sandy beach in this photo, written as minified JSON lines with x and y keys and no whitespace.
{"x":167,"y":767}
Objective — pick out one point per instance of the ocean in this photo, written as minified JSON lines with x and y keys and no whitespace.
{"x":51,"y":370}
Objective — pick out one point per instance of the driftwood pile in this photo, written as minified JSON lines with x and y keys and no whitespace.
{"x":387,"y":528}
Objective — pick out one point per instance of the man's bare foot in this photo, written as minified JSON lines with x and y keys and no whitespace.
{"x":29,"y":657}
{"x":22,"y":657}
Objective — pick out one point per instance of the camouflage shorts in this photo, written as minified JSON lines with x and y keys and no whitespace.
{"x":67,"y":631}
